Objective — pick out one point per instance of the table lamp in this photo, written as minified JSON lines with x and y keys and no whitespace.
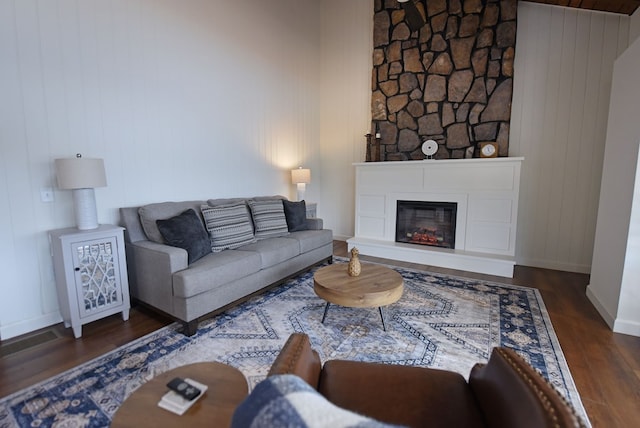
{"x":300,"y":177}
{"x":82,"y":175}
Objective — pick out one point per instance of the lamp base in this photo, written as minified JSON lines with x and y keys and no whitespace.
{"x":302,"y":187}
{"x":84,"y":207}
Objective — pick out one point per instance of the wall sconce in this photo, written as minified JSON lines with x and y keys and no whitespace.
{"x":82,"y":175}
{"x":300,"y":177}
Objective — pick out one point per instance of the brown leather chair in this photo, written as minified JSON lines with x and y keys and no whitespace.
{"x":505,"y":392}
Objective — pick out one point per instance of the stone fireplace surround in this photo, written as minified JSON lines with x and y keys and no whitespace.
{"x":486,"y":191}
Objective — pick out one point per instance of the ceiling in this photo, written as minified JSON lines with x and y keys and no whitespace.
{"x":626,"y":7}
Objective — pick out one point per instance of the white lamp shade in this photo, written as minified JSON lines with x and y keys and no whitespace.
{"x":300,"y":175}
{"x":80,"y":173}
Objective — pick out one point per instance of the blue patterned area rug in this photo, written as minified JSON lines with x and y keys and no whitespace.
{"x":441,"y":321}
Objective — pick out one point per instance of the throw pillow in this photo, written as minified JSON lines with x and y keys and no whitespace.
{"x":229,"y":226}
{"x":287,"y":400}
{"x":186,"y":231}
{"x":296,"y":214}
{"x":268,"y":218}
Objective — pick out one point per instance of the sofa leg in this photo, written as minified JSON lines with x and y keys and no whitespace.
{"x":190,"y":327}
{"x":330,"y":260}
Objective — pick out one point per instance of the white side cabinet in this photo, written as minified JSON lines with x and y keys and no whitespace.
{"x":91,"y":274}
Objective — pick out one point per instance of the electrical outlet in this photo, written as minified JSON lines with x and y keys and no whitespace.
{"x":46,"y":194}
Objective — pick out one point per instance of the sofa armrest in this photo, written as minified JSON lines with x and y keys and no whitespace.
{"x":512,"y":393}
{"x":151,"y":268}
{"x":174,"y":258}
{"x":298,"y":358}
{"x":314,"y":223}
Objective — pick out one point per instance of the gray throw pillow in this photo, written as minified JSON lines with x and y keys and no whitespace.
{"x":268,"y":218}
{"x":229,"y":226}
{"x":296,"y":214}
{"x":186,"y":231}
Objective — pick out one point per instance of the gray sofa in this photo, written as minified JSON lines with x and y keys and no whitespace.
{"x":160,"y":275}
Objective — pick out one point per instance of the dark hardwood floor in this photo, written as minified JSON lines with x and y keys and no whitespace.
{"x":604,"y":365}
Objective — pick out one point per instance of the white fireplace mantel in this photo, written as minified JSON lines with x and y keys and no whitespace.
{"x":486,"y":191}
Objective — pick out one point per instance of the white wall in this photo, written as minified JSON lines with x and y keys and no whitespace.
{"x":634,"y":26}
{"x":563,"y":68}
{"x":182,"y":99}
{"x":614,"y":287}
{"x":345,"y":112}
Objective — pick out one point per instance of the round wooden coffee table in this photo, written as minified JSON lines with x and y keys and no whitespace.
{"x":375,"y":286}
{"x":227,"y":388}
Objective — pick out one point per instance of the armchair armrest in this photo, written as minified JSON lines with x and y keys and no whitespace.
{"x":512,"y":393}
{"x":298,"y":358}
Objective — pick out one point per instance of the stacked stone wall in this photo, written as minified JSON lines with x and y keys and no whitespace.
{"x":450,"y":81}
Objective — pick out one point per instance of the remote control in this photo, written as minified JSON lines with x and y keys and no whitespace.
{"x":184,"y":389}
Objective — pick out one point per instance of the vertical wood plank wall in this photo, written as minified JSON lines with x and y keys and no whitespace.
{"x":345,"y":107}
{"x":183,"y":100}
{"x":563,"y":68}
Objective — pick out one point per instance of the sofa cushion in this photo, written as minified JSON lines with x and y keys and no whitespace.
{"x":296,"y":214}
{"x":163,"y":210}
{"x":229,"y":226}
{"x":215,"y":270}
{"x":312,"y":239}
{"x":268,"y":218}
{"x":273,"y":251}
{"x":186,"y":231}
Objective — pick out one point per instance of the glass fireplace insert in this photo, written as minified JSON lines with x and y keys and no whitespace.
{"x":426,"y":223}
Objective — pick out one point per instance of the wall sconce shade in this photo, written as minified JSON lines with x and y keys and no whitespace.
{"x":82,"y":175}
{"x":301,"y":177}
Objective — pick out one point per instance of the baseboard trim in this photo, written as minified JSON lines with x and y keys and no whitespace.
{"x":606,"y":316}
{"x":553,"y":265}
{"x":631,"y":328}
{"x":28,"y":326}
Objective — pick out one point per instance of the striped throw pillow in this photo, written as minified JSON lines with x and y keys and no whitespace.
{"x":229,"y":226}
{"x":268,"y":218}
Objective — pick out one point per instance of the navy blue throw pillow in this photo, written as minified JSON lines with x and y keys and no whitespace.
{"x":186,"y":231}
{"x":296,"y":215}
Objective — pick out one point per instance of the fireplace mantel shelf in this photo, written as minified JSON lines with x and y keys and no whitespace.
{"x":485,"y":191}
{"x":481,"y":161}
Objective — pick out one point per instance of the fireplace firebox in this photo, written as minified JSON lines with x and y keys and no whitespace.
{"x":426,"y":223}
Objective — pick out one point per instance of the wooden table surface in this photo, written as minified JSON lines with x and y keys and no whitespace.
{"x":227,"y":388}
{"x":375,"y":286}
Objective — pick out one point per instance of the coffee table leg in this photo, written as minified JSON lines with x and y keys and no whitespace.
{"x":384,"y":326}
{"x":326,"y":308}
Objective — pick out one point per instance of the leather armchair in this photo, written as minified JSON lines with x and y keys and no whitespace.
{"x":505,"y":392}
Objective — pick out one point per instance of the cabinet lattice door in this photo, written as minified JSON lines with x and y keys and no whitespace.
{"x":97,"y":275}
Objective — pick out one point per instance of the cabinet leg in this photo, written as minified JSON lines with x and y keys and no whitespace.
{"x":77,"y":331}
{"x":125,"y":314}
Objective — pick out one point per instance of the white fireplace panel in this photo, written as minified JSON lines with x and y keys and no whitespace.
{"x":486,"y":191}
{"x":372,"y":204}
{"x":495,"y":210}
{"x":410,"y":179}
{"x":372,"y":227}
{"x":489,"y":238}
{"x":468,"y":178}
